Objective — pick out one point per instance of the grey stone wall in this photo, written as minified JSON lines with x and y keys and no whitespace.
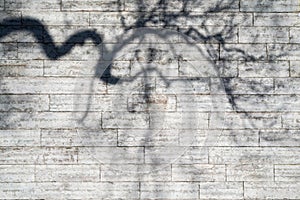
{"x":128,"y":99}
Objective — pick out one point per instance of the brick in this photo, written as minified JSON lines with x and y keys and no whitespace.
{"x":272,"y":190}
{"x":283,"y":52}
{"x":70,"y":190}
{"x":112,"y":18}
{"x":279,"y":138}
{"x":59,"y":18}
{"x":148,"y":137}
{"x":228,"y":5}
{"x":19,"y":68}
{"x":34,"y":51}
{"x":286,"y":85}
{"x":111,"y":155}
{"x":8,"y":51}
{"x":249,"y":172}
{"x":263,"y":35}
{"x":94,"y":5}
{"x":219,"y":19}
{"x":203,"y":103}
{"x":19,"y":138}
{"x":34,"y":155}
{"x":71,"y":138}
{"x":264,"y":69}
{"x":44,"y":85}
{"x":17,"y":173}
{"x":125,"y":120}
{"x":165,"y":190}
{"x":255,"y":155}
{"x":183,"y":86}
{"x":24,"y":103}
{"x":181,"y":155}
{"x":190,"y":173}
{"x":287,"y":173}
{"x":67,"y":173}
{"x":145,"y":173}
{"x":152,"y":102}
{"x":243,"y":52}
{"x":178,"y":120}
{"x":276,"y":19}
{"x":59,"y":120}
{"x":245,"y":121}
{"x":225,"y":138}
{"x":223,"y":190}
{"x":11,"y":14}
{"x":269,"y":6}
{"x":27,"y":5}
{"x":89,"y":103}
{"x":2,"y":5}
{"x":266,"y":103}
{"x":242,"y":86}
{"x":294,"y":69}
{"x":18,"y":35}
{"x":164,"y":68}
{"x":290,"y":120}
{"x":293,"y":35}
{"x":131,"y":86}
{"x":207,"y":68}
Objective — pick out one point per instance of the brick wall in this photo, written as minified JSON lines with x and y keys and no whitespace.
{"x":127,"y":99}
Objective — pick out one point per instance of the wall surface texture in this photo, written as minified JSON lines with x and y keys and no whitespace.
{"x":149,"y":99}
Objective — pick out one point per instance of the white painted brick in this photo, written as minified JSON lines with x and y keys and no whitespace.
{"x":269,"y":6}
{"x":283,"y":52}
{"x":294,"y":69}
{"x":243,"y":52}
{"x":59,"y":18}
{"x":287,"y":173}
{"x":11,"y":14}
{"x":245,"y":121}
{"x":165,"y":190}
{"x":219,"y":138}
{"x":272,"y":190}
{"x":32,"y":155}
{"x":287,"y":85}
{"x":71,"y":138}
{"x":8,"y":51}
{"x":111,"y":155}
{"x":208,"y":68}
{"x":290,"y":120}
{"x":111,"y":18}
{"x":263,"y":35}
{"x":27,"y":103}
{"x":255,"y":155}
{"x":19,"y":138}
{"x":90,"y":103}
{"x":294,"y":32}
{"x":221,"y":190}
{"x":70,"y":190}
{"x":67,"y":173}
{"x":181,"y":155}
{"x":94,"y":5}
{"x":22,"y":120}
{"x":27,"y":5}
{"x":242,"y":85}
{"x":250,"y":172}
{"x":145,"y":173}
{"x":264,"y":69}
{"x":191,"y":173}
{"x":276,"y":19}
{"x":179,"y":120}
{"x":17,"y":173}
{"x":49,"y":85}
{"x":21,"y":68}
{"x":125,"y":120}
{"x":182,"y":86}
{"x":147,"y":137}
{"x":279,"y":138}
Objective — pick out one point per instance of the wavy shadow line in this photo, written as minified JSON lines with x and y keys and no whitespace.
{"x":53,"y":52}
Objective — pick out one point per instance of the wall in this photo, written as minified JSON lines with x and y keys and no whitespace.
{"x":128,"y":99}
